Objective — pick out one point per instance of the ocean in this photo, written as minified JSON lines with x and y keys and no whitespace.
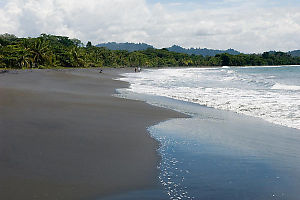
{"x":241,"y":141}
{"x":270,"y":93}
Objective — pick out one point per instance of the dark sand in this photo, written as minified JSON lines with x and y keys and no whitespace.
{"x":64,"y":136}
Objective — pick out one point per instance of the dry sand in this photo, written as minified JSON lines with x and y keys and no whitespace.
{"x":64,"y":136}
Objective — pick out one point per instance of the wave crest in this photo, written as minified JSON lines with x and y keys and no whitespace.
{"x":279,"y":86}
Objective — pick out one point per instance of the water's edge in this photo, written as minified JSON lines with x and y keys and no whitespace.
{"x":172,"y":168}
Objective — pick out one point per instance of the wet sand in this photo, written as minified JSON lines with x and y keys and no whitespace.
{"x":64,"y":136}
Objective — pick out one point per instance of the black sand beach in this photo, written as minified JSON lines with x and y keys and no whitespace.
{"x":64,"y":136}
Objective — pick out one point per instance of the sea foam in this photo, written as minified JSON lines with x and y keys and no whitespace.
{"x":270,"y":93}
{"x":279,"y":86}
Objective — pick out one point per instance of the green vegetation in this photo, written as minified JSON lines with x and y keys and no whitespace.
{"x":48,"y":51}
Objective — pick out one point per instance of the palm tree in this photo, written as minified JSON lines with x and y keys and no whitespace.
{"x":25,"y":59}
{"x":76,"y":57}
{"x":42,"y":54}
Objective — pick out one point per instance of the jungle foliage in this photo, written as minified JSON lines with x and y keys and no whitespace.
{"x":50,"y":51}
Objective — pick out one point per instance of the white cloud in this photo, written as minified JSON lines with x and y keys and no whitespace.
{"x":248,"y":26}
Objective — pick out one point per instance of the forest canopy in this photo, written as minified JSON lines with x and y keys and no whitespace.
{"x":50,"y":51}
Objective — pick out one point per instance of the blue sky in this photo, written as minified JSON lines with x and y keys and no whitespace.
{"x":246,"y":25}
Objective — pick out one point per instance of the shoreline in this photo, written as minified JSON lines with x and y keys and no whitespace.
{"x":64,"y":136}
{"x":221,"y":154}
{"x":120,"y":68}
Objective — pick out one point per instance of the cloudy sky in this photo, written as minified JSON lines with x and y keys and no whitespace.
{"x":245,"y":25}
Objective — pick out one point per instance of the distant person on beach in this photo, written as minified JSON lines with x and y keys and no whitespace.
{"x":135,"y":69}
{"x":139,"y":69}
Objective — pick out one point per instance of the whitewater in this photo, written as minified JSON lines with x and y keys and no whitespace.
{"x":269,"y":93}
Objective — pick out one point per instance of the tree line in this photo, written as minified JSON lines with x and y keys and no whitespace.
{"x":50,"y":51}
